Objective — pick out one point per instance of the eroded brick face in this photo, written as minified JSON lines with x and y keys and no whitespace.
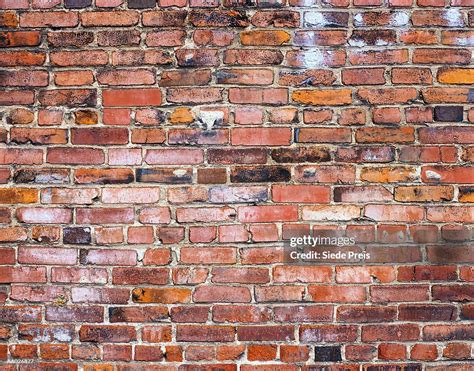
{"x":154,"y":154}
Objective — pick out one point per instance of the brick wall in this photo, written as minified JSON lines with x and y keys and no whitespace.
{"x":154,"y":155}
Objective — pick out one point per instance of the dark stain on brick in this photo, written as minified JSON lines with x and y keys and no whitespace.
{"x":163,"y":175}
{"x":327,"y":354}
{"x":117,"y":315}
{"x":212,"y":176}
{"x":470,"y":95}
{"x":270,"y":3}
{"x":448,"y":113}
{"x":335,"y":19}
{"x":77,"y":236}
{"x":224,"y":18}
{"x":71,"y":39}
{"x":41,"y":176}
{"x":301,"y":154}
{"x":117,"y":38}
{"x":3,"y":136}
{"x":77,"y":3}
{"x":260,"y":174}
{"x":374,"y":37}
{"x":141,"y":4}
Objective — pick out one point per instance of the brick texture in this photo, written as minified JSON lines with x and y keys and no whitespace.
{"x":154,"y":154}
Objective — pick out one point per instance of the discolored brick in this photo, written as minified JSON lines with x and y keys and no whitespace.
{"x":448,"y":113}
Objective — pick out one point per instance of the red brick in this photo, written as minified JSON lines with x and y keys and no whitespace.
{"x":218,"y":18}
{"x":47,"y":256}
{"x":79,"y":58}
{"x":79,"y":275}
{"x":267,"y":213}
{"x":96,"y":333}
{"x":214,"y":255}
{"x":183,"y":314}
{"x":21,"y":274}
{"x":131,"y":97}
{"x":73,"y":78}
{"x":258,"y":96}
{"x":367,"y":76}
{"x":331,"y":333}
{"x":261,"y":352}
{"x":447,"y":332}
{"x":126,"y":77}
{"x":20,"y":38}
{"x":360,"y":352}
{"x":253,"y":57}
{"x":389,"y":56}
{"x":213,"y":37}
{"x":240,"y":313}
{"x":99,"y":136}
{"x":404,"y":332}
{"x":424,"y":352}
{"x":109,"y":19}
{"x":382,"y":294}
{"x":103,"y":176}
{"x":426,"y":312}
{"x":392,"y":351}
{"x":23,"y":351}
{"x":174,"y":156}
{"x":221,"y":294}
{"x":183,"y":78}
{"x":49,"y":19}
{"x":105,"y":215}
{"x":205,"y":333}
{"x":341,"y":294}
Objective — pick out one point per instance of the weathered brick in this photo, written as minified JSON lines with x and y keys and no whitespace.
{"x":218,"y":18}
{"x":109,"y":19}
{"x":49,"y":19}
{"x":323,"y":97}
{"x":132,"y":97}
{"x":68,"y":97}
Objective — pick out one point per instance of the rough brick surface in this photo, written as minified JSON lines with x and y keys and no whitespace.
{"x":154,"y":154}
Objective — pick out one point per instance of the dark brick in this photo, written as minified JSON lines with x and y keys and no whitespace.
{"x":218,"y":18}
{"x":73,"y":39}
{"x":77,"y":235}
{"x":301,"y":154}
{"x":269,"y":3}
{"x":327,"y":354}
{"x":77,"y":3}
{"x":260,"y":174}
{"x":212,"y":176}
{"x":141,"y":314}
{"x":116,"y":38}
{"x":448,"y":113}
{"x":141,"y":4}
{"x":163,"y":175}
{"x":422,"y":312}
{"x":41,"y":176}
{"x":373,"y":37}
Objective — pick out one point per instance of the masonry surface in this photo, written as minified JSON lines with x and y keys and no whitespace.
{"x":155,"y":154}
